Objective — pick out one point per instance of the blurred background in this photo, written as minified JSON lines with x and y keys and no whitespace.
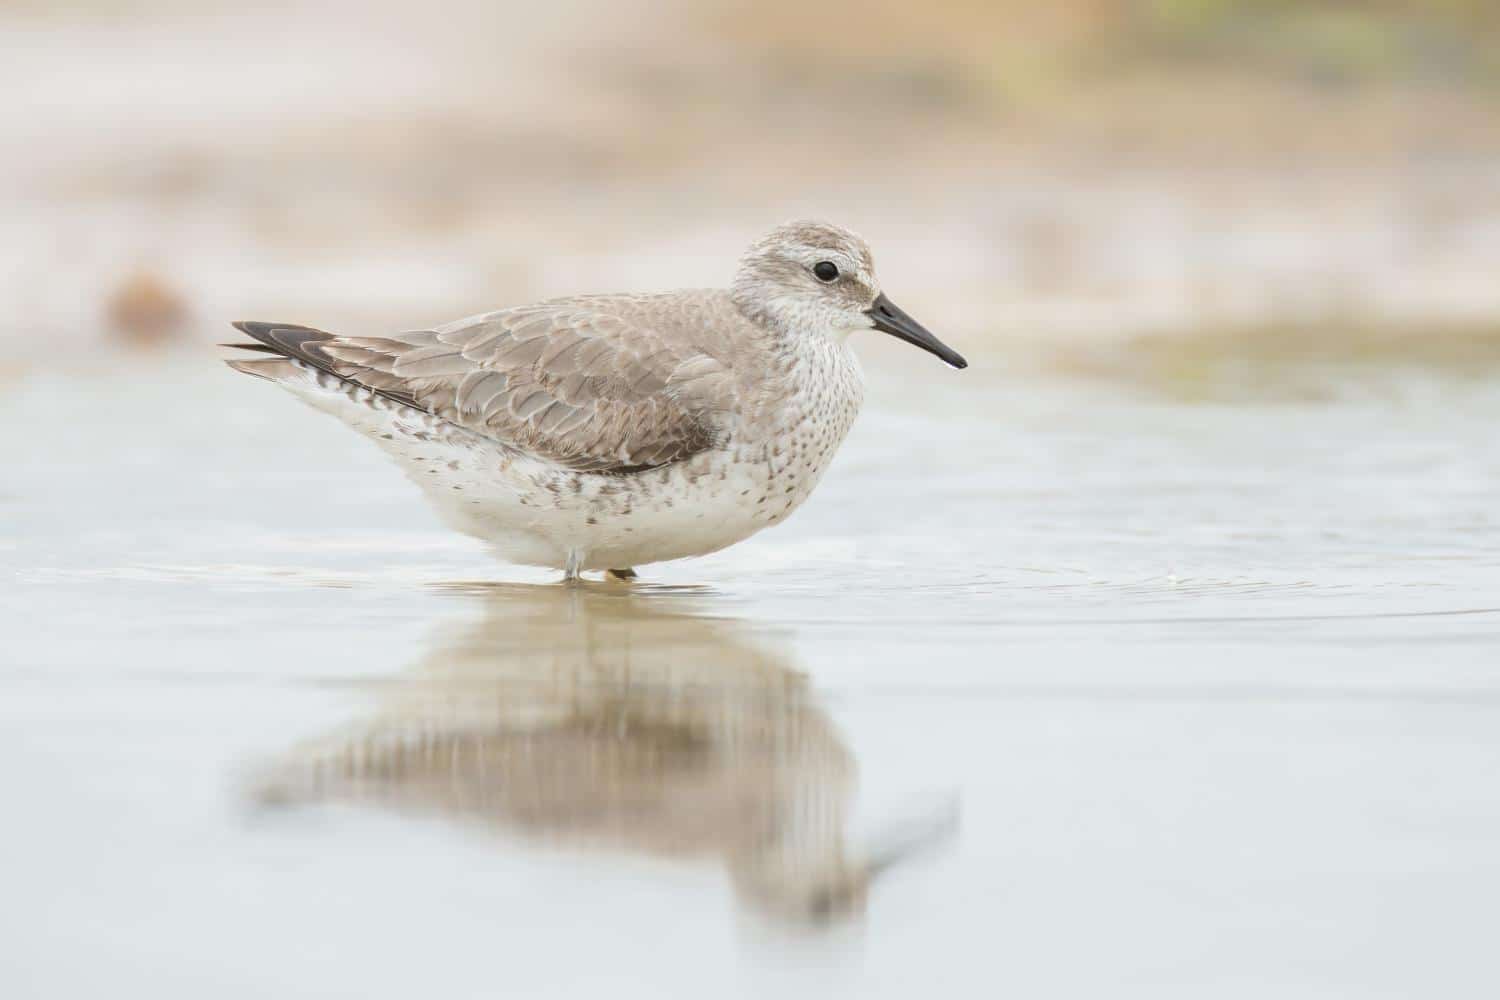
{"x":1157,"y":647}
{"x":1260,"y":178}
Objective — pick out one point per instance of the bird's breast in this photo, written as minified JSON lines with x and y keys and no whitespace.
{"x":817,"y":394}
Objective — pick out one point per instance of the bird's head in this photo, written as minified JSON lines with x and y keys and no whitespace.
{"x":813,"y":278}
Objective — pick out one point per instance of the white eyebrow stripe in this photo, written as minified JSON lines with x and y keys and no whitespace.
{"x":844,"y":262}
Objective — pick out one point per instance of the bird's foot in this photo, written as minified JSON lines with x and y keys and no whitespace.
{"x":620,"y":575}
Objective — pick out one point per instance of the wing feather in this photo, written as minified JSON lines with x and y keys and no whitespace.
{"x":607,"y":384}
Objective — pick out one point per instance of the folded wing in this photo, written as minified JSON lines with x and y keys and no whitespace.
{"x":579,"y":383}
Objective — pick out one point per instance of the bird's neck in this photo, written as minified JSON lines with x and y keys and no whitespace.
{"x":824,"y":380}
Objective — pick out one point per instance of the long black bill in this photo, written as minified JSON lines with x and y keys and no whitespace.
{"x":889,"y":318}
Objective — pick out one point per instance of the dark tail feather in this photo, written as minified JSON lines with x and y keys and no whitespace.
{"x":262,"y":348}
{"x":291,"y":340}
{"x":303,"y":343}
{"x":288,"y":340}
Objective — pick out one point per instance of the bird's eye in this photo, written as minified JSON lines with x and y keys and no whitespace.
{"x":826,"y":270}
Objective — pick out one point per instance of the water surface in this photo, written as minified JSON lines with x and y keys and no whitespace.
{"x":1054,"y":687}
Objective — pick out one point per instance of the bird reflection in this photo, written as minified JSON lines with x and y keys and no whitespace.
{"x":618,"y":718}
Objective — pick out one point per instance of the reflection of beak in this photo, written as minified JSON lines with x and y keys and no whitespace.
{"x":889,"y":318}
{"x":901,"y":844}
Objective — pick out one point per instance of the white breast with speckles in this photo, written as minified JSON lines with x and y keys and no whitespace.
{"x":535,"y":513}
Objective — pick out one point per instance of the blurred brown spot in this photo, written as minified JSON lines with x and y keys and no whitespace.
{"x":145,"y":310}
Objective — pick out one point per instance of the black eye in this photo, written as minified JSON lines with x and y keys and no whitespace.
{"x":825,"y":270}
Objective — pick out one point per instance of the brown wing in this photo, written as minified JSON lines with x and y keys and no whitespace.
{"x":574,"y":382}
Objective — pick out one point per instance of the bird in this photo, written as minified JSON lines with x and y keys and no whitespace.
{"x":609,"y":431}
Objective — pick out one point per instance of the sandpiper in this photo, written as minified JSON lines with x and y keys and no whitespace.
{"x":602,"y":432}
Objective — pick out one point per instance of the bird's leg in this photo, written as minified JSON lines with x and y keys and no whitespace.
{"x":622,"y":575}
{"x":573,"y":566}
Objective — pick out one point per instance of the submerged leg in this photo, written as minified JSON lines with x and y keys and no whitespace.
{"x":625,"y":575}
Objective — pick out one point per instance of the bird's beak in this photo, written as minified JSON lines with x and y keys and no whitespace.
{"x":889,"y":318}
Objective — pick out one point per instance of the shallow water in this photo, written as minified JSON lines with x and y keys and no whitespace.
{"x":1139,"y":696}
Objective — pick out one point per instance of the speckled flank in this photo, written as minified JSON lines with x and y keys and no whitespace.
{"x":533,"y":512}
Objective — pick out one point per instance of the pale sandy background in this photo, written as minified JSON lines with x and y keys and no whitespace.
{"x":1093,"y":170}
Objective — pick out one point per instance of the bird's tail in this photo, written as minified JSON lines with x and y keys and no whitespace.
{"x":291,"y":349}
